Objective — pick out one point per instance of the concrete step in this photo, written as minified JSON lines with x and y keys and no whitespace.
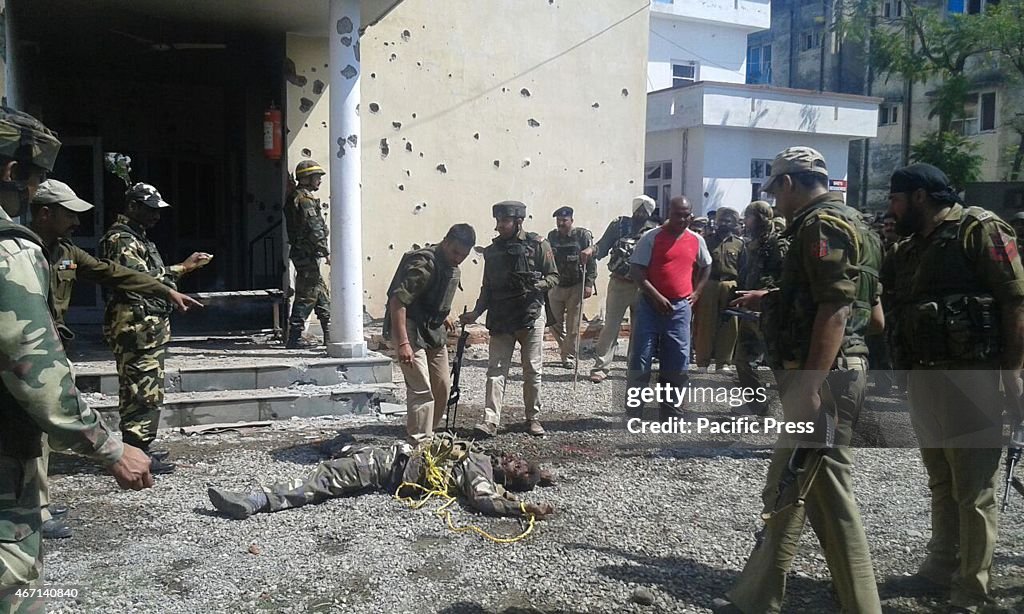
{"x":251,"y":375}
{"x":221,"y":406}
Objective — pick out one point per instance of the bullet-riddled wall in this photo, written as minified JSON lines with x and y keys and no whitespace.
{"x":540,"y":101}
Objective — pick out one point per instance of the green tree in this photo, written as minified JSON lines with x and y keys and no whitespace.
{"x":1004,"y":29}
{"x":953,"y":153}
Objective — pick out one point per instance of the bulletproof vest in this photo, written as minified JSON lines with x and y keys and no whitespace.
{"x":152,"y":305}
{"x":20,"y":437}
{"x":950,"y":314}
{"x":512,"y":274}
{"x":431,"y":308}
{"x":788,"y":315}
{"x":567,"y":256}
{"x":302,"y":245}
{"x":622,"y":249}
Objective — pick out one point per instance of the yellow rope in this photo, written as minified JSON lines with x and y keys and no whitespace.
{"x":438,"y":480}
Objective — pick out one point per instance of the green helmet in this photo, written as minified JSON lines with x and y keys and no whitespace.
{"x":25,"y":139}
{"x":509,"y":208}
{"x":308,"y":167}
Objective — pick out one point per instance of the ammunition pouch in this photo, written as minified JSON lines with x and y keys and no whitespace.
{"x":955,"y":328}
{"x":619,"y":255}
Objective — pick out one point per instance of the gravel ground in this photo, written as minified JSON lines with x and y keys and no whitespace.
{"x":641,"y":516}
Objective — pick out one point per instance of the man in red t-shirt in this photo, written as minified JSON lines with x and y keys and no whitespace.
{"x":670,"y":266}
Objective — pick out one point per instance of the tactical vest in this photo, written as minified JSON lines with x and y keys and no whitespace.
{"x":512,"y":275}
{"x":20,"y":436}
{"x":788,"y":314}
{"x":951,"y":316}
{"x":151,"y":305}
{"x":302,"y":245}
{"x":431,"y":308}
{"x":567,"y":257}
{"x":622,"y":250}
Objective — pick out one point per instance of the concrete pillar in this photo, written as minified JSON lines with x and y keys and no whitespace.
{"x":346,"y":203}
{"x":11,"y":92}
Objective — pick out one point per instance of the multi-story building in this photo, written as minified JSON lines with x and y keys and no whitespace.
{"x":710,"y":135}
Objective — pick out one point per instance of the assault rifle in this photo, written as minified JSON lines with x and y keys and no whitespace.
{"x":743,"y":314}
{"x":1013,"y":456}
{"x":452,"y":406}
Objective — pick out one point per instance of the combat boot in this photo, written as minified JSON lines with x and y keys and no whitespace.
{"x":326,"y":325}
{"x":295,"y":340}
{"x":237,"y":505}
{"x":55,"y":528}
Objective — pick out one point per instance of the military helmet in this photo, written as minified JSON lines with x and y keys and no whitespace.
{"x":25,"y":139}
{"x":306,"y":168}
{"x":508,"y":208}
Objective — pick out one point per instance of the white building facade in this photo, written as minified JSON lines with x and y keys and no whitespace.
{"x":710,"y":136}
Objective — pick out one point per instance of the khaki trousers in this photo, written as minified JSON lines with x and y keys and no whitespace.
{"x":500,"y":348}
{"x":829,"y":506}
{"x":427,"y":384}
{"x":713,"y":336}
{"x":622,"y":295}
{"x":566,"y":305}
{"x":962,"y":409}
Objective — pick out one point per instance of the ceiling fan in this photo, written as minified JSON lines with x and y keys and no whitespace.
{"x":163,"y":46}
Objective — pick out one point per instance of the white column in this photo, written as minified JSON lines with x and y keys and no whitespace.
{"x":346,"y":202}
{"x":11,"y":61}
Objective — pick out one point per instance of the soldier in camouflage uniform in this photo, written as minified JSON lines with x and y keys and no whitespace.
{"x":138,"y":327}
{"x":483,"y":481}
{"x":417,"y":324}
{"x":815,"y":336}
{"x":714,"y":336}
{"x":760,"y":269}
{"x":55,"y":210}
{"x":37,"y":389}
{"x":617,"y":243}
{"x":960,"y":330}
{"x":307,"y":236}
{"x":577,"y":274}
{"x":519,"y":269}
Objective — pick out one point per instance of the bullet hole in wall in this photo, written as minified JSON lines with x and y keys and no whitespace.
{"x":526,"y":162}
{"x":394,"y":56}
{"x":373,"y":75}
{"x":396,"y":125}
{"x":374,"y":107}
{"x":475,"y":261}
{"x":353,"y":140}
{"x":318,"y":87}
{"x":407,"y":173}
{"x":476,"y":135}
{"x":307,"y":153}
{"x":305,"y":104}
{"x":625,"y":92}
{"x":401,"y":187}
{"x":414,"y":116}
{"x":408,"y":146}
{"x":344,"y":25}
{"x":497,"y":163}
{"x":384,"y":149}
{"x":391,"y":246}
{"x":631,"y":182}
{"x":533,"y":123}
{"x":349,"y":71}
{"x":596,"y":105}
{"x":525,"y":92}
{"x":406,"y":35}
{"x":441,"y":168}
{"x":421,"y":154}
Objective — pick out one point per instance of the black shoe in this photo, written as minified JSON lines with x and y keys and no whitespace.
{"x":57,"y":509}
{"x":234,"y":504}
{"x":160,"y":467}
{"x":720,"y":605}
{"x":55,"y":528}
{"x":667,"y":413}
{"x":159,"y":454}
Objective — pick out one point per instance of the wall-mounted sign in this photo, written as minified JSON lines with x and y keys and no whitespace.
{"x":837,"y":185}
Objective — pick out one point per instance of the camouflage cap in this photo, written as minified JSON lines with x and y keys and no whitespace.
{"x":760,"y":208}
{"x":308,"y":167}
{"x":147,"y":195}
{"x":25,"y":139}
{"x":726,"y":215}
{"x":563,"y":212}
{"x":508,"y":208}
{"x":53,"y":192}
{"x":794,"y":160}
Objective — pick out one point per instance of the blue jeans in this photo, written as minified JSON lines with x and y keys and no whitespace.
{"x":669,"y":336}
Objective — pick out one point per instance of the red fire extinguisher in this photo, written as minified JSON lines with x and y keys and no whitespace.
{"x":272,"y":133}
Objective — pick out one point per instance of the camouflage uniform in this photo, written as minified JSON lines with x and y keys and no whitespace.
{"x":137,"y":328}
{"x":830,"y":260}
{"x":713,"y":335}
{"x":760,"y":269}
{"x":949,"y":290}
{"x":565,"y":299}
{"x":517,"y":273}
{"x":425,"y":283}
{"x":363,"y":468}
{"x":37,"y":395}
{"x":307,"y":236}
